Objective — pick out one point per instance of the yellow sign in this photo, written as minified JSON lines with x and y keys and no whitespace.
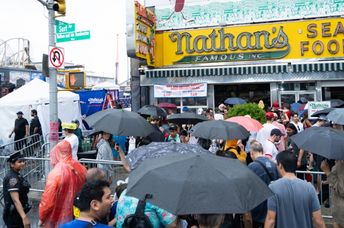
{"x":145,"y":23}
{"x":278,"y":41}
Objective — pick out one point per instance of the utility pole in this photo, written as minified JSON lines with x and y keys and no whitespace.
{"x":54,"y":125}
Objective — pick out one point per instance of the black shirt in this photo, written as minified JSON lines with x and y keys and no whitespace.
{"x":35,"y":123}
{"x":14,"y":182}
{"x":19,"y":127}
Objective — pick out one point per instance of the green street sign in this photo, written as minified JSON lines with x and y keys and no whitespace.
{"x":73,"y":36}
{"x":63,"y":27}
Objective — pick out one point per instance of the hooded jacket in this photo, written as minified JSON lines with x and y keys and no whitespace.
{"x":64,"y":181}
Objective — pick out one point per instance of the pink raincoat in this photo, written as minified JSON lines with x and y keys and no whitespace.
{"x":64,"y":181}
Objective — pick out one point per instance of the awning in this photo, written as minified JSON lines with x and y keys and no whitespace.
{"x":278,"y":68}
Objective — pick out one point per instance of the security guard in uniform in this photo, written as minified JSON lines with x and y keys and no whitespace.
{"x":16,"y":190}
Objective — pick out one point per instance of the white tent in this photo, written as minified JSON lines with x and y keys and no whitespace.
{"x":105,"y":85}
{"x":35,"y":95}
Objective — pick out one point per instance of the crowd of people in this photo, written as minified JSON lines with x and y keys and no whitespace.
{"x":73,"y":192}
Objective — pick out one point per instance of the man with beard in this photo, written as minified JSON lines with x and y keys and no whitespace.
{"x":95,"y":202}
{"x":20,"y":130}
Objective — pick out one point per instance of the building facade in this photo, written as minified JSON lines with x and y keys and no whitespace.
{"x":296,"y":54}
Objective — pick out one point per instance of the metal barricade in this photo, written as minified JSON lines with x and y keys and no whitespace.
{"x":319,"y":181}
{"x":35,"y":172}
{"x":114,"y":169}
{"x":29,"y":146}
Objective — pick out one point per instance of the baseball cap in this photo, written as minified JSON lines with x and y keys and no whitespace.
{"x":276,"y":132}
{"x":15,"y":157}
{"x":70,"y":126}
{"x":20,"y":113}
{"x":276,"y":105}
{"x":173,"y":127}
{"x":269,"y":115}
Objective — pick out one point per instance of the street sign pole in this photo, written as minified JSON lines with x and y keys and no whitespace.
{"x":53,"y":136}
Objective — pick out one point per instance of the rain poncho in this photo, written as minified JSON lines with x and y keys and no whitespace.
{"x":64,"y":181}
{"x":231,"y":145}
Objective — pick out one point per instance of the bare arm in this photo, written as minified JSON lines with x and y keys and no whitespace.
{"x":19,"y":208}
{"x":270,"y":219}
{"x":318,"y":220}
{"x":173,"y":224}
{"x":27,"y":130}
{"x":299,"y":157}
{"x":123,"y":159}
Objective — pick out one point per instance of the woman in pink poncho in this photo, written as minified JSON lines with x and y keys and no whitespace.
{"x":64,"y":181}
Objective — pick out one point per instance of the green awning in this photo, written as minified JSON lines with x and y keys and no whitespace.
{"x":245,"y":69}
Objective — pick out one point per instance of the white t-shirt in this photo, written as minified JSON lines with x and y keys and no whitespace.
{"x":270,"y":150}
{"x":299,"y":126}
{"x":264,"y":133}
{"x":74,"y":142}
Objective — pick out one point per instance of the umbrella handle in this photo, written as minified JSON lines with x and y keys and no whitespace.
{"x":148,"y":196}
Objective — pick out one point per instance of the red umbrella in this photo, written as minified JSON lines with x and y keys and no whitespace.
{"x":167,"y":105}
{"x":247,"y":122}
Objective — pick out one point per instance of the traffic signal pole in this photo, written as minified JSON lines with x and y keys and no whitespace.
{"x":54,"y":125}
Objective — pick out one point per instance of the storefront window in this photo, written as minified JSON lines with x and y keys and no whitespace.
{"x":286,"y":86}
{"x":252,"y":93}
{"x":175,"y":101}
{"x":307,"y":86}
{"x":329,"y":93}
{"x":194,"y":101}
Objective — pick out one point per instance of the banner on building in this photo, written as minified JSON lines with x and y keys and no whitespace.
{"x":317,"y":106}
{"x":182,"y":90}
{"x":181,"y":14}
{"x":295,"y":40}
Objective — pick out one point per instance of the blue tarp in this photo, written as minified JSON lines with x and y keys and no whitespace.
{"x":91,"y":101}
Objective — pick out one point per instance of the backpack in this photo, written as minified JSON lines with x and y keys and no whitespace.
{"x":139,"y":219}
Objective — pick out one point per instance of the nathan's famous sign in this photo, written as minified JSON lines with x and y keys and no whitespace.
{"x":290,"y":40}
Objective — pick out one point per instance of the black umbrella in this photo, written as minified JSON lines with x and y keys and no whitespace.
{"x":322,"y":112}
{"x":234,"y":101}
{"x":151,"y":110}
{"x":219,"y":129}
{"x":186,"y":118}
{"x":324,"y":141}
{"x":337,"y":103}
{"x":336,"y":116}
{"x":155,"y":150}
{"x":198,"y":184}
{"x":120,"y":122}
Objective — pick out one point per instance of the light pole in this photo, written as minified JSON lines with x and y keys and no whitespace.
{"x":53,"y":125}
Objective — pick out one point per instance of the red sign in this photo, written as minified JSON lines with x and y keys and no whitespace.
{"x":56,"y":57}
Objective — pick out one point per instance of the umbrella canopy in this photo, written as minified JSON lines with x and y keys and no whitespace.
{"x":336,"y":116}
{"x":158,"y":149}
{"x":167,"y":105}
{"x":337,"y":103}
{"x":219,"y":129}
{"x":186,"y":118}
{"x":198,"y":184}
{"x":322,"y":112}
{"x":295,"y":107}
{"x":234,"y":101}
{"x":151,"y":110}
{"x":247,"y":122}
{"x":120,"y":122}
{"x":325,"y":141}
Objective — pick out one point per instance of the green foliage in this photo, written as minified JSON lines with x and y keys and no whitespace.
{"x":251,"y":109}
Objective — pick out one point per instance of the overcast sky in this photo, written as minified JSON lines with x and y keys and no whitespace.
{"x":104,"y":18}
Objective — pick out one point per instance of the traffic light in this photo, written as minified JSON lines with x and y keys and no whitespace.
{"x":76,"y":80}
{"x":60,"y":7}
